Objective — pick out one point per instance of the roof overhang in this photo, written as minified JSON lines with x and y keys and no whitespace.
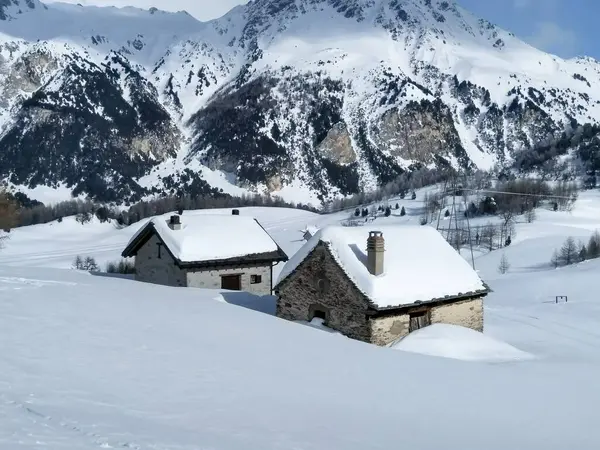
{"x":252,"y":259}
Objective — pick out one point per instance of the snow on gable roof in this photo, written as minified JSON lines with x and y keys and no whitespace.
{"x":212,"y":237}
{"x":419,"y":265}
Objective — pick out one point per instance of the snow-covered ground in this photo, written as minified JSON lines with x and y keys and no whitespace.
{"x":99,"y":362}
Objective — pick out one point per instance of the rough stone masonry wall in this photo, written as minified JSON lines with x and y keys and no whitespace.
{"x":346,"y":306}
{"x":211,"y":278}
{"x":385,"y":330}
{"x":152,"y":269}
{"x":467,"y":314}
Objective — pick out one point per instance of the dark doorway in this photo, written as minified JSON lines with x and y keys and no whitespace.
{"x":419,"y":320}
{"x":318,"y":312}
{"x":231,"y":282}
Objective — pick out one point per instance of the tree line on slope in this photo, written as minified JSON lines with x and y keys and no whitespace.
{"x":572,"y":252}
{"x":84,"y":210}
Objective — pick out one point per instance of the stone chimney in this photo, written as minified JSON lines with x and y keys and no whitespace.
{"x":375,"y":249}
{"x":175,"y":222}
{"x":235,"y":212}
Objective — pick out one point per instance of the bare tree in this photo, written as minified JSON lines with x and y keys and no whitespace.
{"x":488,"y":234}
{"x":504,"y":265}
{"x":530,"y":215}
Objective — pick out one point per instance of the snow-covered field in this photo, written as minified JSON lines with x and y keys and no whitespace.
{"x":99,"y":362}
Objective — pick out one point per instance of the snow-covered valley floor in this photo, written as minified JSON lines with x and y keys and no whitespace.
{"x":99,"y":362}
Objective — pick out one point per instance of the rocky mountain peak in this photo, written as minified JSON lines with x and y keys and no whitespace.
{"x":307,"y":99}
{"x":9,"y":9}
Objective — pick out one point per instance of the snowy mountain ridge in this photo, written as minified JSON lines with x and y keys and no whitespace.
{"x":307,"y":99}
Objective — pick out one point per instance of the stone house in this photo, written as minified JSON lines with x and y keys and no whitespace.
{"x":381,"y":285}
{"x":230,"y":252}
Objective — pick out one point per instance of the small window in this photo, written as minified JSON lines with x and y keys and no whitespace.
{"x":322,"y":285}
{"x":159,"y":245}
{"x":255,"y":279}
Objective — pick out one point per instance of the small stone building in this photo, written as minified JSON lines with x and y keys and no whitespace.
{"x":230,"y":252}
{"x":378,"y":286}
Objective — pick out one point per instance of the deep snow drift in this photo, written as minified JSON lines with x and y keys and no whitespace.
{"x":451,"y":341}
{"x":98,"y":362}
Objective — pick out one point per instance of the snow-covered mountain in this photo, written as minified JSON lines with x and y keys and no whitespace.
{"x":307,"y":99}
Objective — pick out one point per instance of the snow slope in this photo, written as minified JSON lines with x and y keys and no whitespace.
{"x":92,"y":362}
{"x":99,"y":362}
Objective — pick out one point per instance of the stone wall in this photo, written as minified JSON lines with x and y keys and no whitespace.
{"x":466,"y":314}
{"x":152,"y":269}
{"x":320,"y":284}
{"x":387,"y":329}
{"x":211,"y":278}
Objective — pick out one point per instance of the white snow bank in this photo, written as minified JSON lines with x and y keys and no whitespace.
{"x":209,"y":237}
{"x":419,"y":265}
{"x":452,"y":341}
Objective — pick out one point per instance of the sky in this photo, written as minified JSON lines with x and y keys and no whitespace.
{"x":566,"y":28}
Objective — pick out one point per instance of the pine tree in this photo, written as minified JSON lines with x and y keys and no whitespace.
{"x":397,"y":206}
{"x":357,"y":212}
{"x":413,"y":195}
{"x":504,"y":264}
{"x":555,"y":260}
{"x":90,"y":264}
{"x":402,"y":212}
{"x":447,"y":213}
{"x":593,"y":248}
{"x":568,"y":252}
{"x":78,"y":263}
{"x":8,"y":212}
{"x":388,"y":211}
{"x":582,"y":252}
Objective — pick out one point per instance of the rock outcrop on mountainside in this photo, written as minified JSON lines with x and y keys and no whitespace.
{"x":305,"y":99}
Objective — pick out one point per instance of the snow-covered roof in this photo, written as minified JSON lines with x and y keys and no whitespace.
{"x":205,"y":237}
{"x":419,"y":265}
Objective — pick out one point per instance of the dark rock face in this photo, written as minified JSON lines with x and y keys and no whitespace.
{"x":79,"y":130}
{"x":97,"y":117}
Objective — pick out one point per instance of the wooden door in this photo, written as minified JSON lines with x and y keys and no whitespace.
{"x":231,"y":282}
{"x":419,"y":320}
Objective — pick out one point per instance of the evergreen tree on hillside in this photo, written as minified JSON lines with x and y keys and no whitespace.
{"x":413,"y":195}
{"x":402,"y":212}
{"x":593,"y":247}
{"x":555,"y":260}
{"x":504,"y":264}
{"x":388,"y":211}
{"x":568,"y":252}
{"x":582,"y":252}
